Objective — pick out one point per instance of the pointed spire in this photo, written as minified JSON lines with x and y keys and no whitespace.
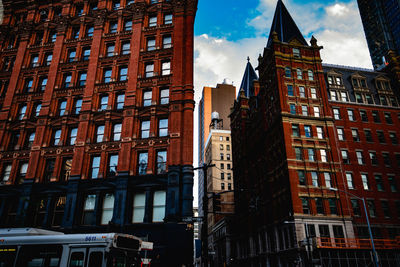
{"x":247,"y":82}
{"x":284,"y":26}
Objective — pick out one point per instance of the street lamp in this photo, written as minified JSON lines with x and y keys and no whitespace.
{"x":375,"y":257}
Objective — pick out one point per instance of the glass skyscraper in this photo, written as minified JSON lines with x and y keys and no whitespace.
{"x":381,"y":21}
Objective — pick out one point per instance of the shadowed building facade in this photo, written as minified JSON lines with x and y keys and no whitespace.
{"x":96,"y":119}
{"x":305,"y":128}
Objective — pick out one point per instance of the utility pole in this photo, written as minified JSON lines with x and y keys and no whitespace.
{"x":204,"y":232}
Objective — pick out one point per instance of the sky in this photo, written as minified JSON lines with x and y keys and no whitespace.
{"x":229,"y":31}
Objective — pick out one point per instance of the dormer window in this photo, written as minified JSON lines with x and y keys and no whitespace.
{"x":363,"y":83}
{"x":296,"y":52}
{"x":338,"y":81}
{"x":355,"y":82}
{"x":330,"y":80}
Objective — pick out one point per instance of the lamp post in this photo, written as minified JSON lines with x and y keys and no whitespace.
{"x":374,"y":254}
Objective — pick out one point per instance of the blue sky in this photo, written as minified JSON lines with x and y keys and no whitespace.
{"x":227,"y":31}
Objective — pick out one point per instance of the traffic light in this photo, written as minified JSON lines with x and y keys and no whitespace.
{"x":216,"y":202}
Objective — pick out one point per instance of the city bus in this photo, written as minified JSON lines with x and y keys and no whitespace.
{"x":40,"y":248}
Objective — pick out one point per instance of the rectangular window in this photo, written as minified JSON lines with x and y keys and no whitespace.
{"x":368,"y":135}
{"x":314,"y":179}
{"x":145,"y":129}
{"x":6,"y":172}
{"x":319,"y":205}
{"x":168,"y":19}
{"x":332,"y":206}
{"x":306,"y":205}
{"x":163,"y":127}
{"x":385,"y":208}
{"x":149,"y":70}
{"x":34,"y":61}
{"x":42,"y":83}
{"x":345,"y":156}
{"x":356,"y":137}
{"x":379,"y":182}
{"x":28,"y":85}
{"x":128,"y":25}
{"x":313,"y":93}
{"x":350,"y":114}
{"x":153,"y":21}
{"x":89,"y":31}
{"x":142,"y":163}
{"x":72,"y":136}
{"x":126,"y":48}
{"x":311,"y":154}
{"x":299,"y":153}
{"x":100,"y":133}
{"x":290,"y":90}
{"x":360,"y":157}
{"x":117,"y":129}
{"x":71,"y":55}
{"x":381,"y":137}
{"x":113,"y":27}
{"x":293,"y":109}
{"x":386,"y":159}
{"x":295,"y":130}
{"x":85,"y":53}
{"x":166,"y":68}
{"x":299,"y":73}
{"x":349,"y":179}
{"x":340,"y":133}
{"x":374,"y":159}
{"x":327,"y":178}
{"x":316,"y":112}
{"x":67,"y":80}
{"x":82,"y":79}
{"x":147,"y":97}
{"x":48,"y":173}
{"x":392,"y":183}
{"x":343,"y":95}
{"x":107,"y":75}
{"x":304,"y":110}
{"x":323,"y":155}
{"x":336,"y":114}
{"x":320,"y":132}
{"x":159,"y":199}
{"x":78,"y":106}
{"x":302,"y":177}
{"x":112,"y":165}
{"x":49,"y":58}
{"x":62,"y":107}
{"x":110,"y":50}
{"x":371,"y":208}
{"x":66,"y":169}
{"x":103,"y":103}
{"x":302,"y":91}
{"x":167,"y":41}
{"x":359,"y":98}
{"x":139,"y":205}
{"x":151,"y":44}
{"x":57,"y":138}
{"x":375,"y":115}
{"x":388,"y":118}
{"x":88,"y":217}
{"x":393,"y":138}
{"x":296,"y":52}
{"x":307,"y":131}
{"x":333,"y":96}
{"x":123,"y":74}
{"x":356,"y":207}
{"x":95,"y":167}
{"x":120,"y":98}
{"x":161,"y":162}
{"x":108,"y":209}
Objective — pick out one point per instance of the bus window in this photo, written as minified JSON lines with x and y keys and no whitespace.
{"x":77,"y":259}
{"x":39,"y":256}
{"x":95,"y":259}
{"x":7,"y":256}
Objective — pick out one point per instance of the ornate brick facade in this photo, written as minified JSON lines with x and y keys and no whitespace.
{"x":96,"y":120}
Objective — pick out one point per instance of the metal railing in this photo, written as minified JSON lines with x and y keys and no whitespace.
{"x":356,"y":243}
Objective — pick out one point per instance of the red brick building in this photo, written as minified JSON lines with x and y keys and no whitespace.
{"x":300,"y":130}
{"x":96,"y":119}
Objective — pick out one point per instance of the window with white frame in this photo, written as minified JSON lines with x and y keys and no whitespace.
{"x":323,"y":155}
{"x":327,"y":178}
{"x":365,"y":181}
{"x":108,"y":209}
{"x":159,"y":199}
{"x":340,"y":132}
{"x":360,"y":157}
{"x":320,"y":132}
{"x":316,"y":112}
{"x":349,"y":178}
{"x":313,"y":93}
{"x":350,"y":114}
{"x":139,"y":206}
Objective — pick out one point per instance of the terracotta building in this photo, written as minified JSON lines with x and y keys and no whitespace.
{"x":300,"y":130}
{"x":96,"y":119}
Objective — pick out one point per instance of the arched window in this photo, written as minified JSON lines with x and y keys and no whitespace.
{"x":310,"y":75}
{"x":288,"y":72}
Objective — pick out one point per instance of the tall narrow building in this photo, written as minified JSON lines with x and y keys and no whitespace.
{"x":381,"y":23}
{"x":96,"y":119}
{"x":308,"y":145}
